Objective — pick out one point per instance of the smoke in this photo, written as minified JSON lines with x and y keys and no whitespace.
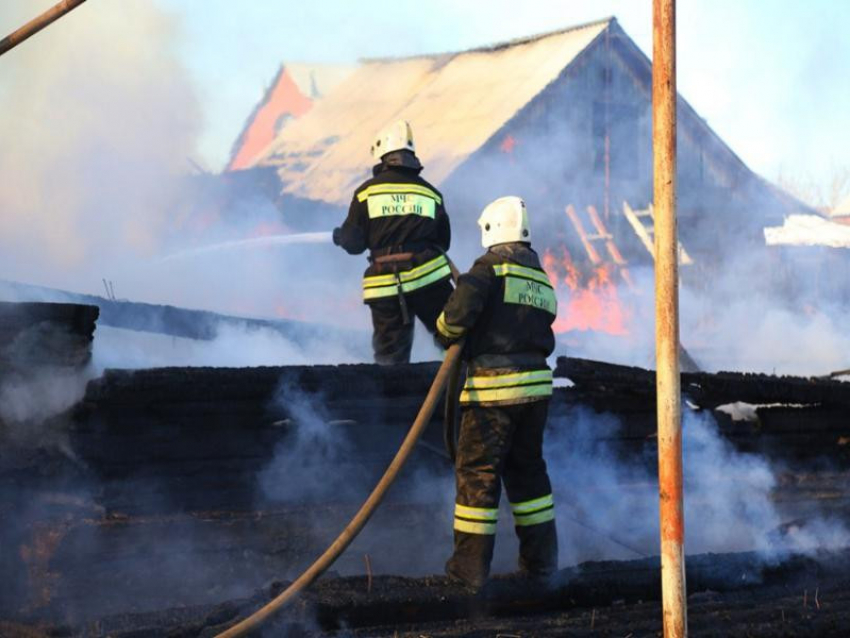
{"x":102,"y":117}
{"x":101,"y":122}
{"x":99,"y":119}
{"x":32,"y":398}
{"x":233,"y":346}
{"x":739,"y":321}
{"x":329,"y":462}
{"x":605,"y":488}
{"x":773,"y":312}
{"x":317,"y":451}
{"x":755,"y":335}
{"x":43,"y":373}
{"x":607,"y":499}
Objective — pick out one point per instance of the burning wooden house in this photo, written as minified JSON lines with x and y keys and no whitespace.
{"x":561,"y":118}
{"x":167,"y":501}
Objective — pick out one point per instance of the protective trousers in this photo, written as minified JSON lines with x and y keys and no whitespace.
{"x":496,"y":444}
{"x":392,"y":339}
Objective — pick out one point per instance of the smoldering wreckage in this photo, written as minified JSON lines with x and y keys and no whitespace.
{"x":177,"y":500}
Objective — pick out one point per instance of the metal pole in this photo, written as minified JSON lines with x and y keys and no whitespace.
{"x":673,"y":591}
{"x":37,"y":24}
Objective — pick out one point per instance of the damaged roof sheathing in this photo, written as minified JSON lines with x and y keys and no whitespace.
{"x":458,"y":101}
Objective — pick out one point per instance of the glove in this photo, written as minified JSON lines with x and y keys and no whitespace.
{"x":443,"y":340}
{"x":337,"y":236}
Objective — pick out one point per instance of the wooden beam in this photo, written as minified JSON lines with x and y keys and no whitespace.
{"x":669,"y":411}
{"x":37,"y":24}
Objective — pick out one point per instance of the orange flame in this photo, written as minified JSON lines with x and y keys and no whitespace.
{"x":585,"y":302}
{"x":508,"y":144}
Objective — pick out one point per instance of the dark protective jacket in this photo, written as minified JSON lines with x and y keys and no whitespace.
{"x":398,"y":212}
{"x":504,"y":306}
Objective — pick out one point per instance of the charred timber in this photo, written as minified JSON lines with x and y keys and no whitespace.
{"x":194,"y":423}
{"x":176,"y":453}
{"x":198,"y":424}
{"x":707,"y":390}
{"x":172,"y":320}
{"x":794,"y":418}
{"x":37,"y":24}
{"x":35,"y":335}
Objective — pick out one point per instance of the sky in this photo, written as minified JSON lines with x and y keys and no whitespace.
{"x":769,"y":76}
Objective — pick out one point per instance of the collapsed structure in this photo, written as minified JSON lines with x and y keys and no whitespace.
{"x":226,"y":479}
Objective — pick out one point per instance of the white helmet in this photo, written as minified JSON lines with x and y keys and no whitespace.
{"x":396,"y":137}
{"x":504,"y":220}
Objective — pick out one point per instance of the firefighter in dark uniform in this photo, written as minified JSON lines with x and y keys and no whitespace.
{"x":401,"y":219}
{"x":504,"y":307}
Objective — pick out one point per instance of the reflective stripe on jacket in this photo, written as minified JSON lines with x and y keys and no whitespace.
{"x":504,"y":307}
{"x":507,"y":387}
{"x":432,"y":271}
{"x":383,"y":200}
{"x":527,"y":286}
{"x":397,"y":212}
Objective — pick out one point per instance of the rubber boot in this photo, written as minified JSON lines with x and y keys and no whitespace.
{"x":470,"y":563}
{"x":538,"y":550}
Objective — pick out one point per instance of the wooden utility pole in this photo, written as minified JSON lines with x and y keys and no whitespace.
{"x":667,"y":320}
{"x":37,"y":24}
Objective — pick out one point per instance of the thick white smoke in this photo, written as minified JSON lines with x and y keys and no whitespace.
{"x":606,"y":499}
{"x":99,"y":118}
{"x":608,"y":505}
{"x":29,"y":399}
{"x":233,"y":346}
{"x":100,"y":123}
{"x":732,"y":322}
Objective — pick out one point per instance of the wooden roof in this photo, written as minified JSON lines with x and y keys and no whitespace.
{"x":455,"y":102}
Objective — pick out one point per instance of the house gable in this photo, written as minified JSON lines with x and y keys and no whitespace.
{"x":456,"y":102}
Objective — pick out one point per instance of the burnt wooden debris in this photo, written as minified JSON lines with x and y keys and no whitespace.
{"x":170,"y":320}
{"x":186,"y":470}
{"x":707,"y":390}
{"x":36,"y":340}
{"x":795,"y":417}
{"x":187,"y":453}
{"x":188,"y":424}
{"x":36,"y":335}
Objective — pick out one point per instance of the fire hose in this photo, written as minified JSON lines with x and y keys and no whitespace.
{"x":354,"y":527}
{"x":450,"y":425}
